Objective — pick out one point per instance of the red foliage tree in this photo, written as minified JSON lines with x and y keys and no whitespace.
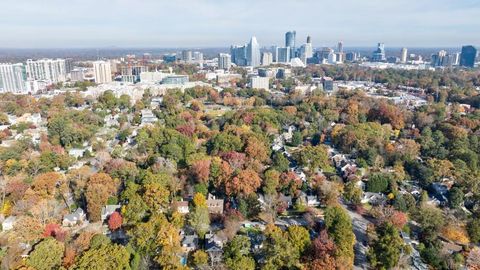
{"x":16,"y":190}
{"x":398,"y":219}
{"x":235,"y":159}
{"x":246,"y":182}
{"x":115,"y":221}
{"x":186,"y":129}
{"x":322,"y":253}
{"x":200,"y":170}
{"x":289,"y":180}
{"x":54,"y":230}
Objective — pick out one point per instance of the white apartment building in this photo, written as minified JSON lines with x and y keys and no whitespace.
{"x":102,"y":71}
{"x":12,"y":78}
{"x":260,"y":83}
{"x":267,"y":58}
{"x":224,"y":61}
{"x":51,"y":70}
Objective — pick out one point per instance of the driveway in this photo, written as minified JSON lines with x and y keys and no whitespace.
{"x":360,"y":230}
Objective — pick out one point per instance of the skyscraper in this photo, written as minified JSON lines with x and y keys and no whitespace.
{"x":468,"y":55}
{"x":198,"y":57}
{"x":187,"y":56}
{"x":379,"y":54}
{"x":224,"y":61}
{"x":253,"y":53}
{"x":12,"y":78}
{"x":239,"y":55}
{"x":403,"y":55}
{"x":439,"y":59}
{"x":102,"y":71}
{"x":290,"y":42}
{"x":306,"y":51}
{"x":283,"y":55}
{"x":340,"y":47}
{"x":68,"y":65}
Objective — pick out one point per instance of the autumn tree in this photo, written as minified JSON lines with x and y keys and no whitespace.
{"x":314,"y":158}
{"x":156,"y":196}
{"x":199,"y":258}
{"x":114,"y":221}
{"x":256,"y":149}
{"x":45,"y":185}
{"x":272,"y":179}
{"x":322,"y":253}
{"x":104,"y":256}
{"x":246,"y":182}
{"x":200,"y":170}
{"x":100,"y":187}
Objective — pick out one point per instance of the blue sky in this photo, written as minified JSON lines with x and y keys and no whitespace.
{"x":218,"y":23}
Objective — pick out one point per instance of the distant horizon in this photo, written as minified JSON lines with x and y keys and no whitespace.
{"x":113,"y":47}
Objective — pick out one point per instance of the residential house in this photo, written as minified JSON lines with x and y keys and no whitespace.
{"x":214,"y":205}
{"x":373,"y":198}
{"x":148,"y":117}
{"x":190,"y":243}
{"x":79,"y":152}
{"x":287,"y":200}
{"x":439,"y":192}
{"x":107,"y":210}
{"x":312,"y":201}
{"x":76,"y":218}
{"x":214,"y":249}
{"x":181,"y":207}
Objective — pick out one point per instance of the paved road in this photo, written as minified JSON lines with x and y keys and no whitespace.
{"x":360,"y":230}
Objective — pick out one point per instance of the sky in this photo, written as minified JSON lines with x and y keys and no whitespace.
{"x":220,"y":23}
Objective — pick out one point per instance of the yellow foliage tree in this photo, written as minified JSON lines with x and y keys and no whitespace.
{"x":456,"y":233}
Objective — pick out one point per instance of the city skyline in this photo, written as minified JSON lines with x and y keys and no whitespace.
{"x":208,"y":23}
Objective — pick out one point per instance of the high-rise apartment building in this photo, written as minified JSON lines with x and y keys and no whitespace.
{"x":260,"y":82}
{"x":51,"y":70}
{"x":198,"y":57}
{"x":13,"y":78}
{"x":403,"y":55}
{"x":267,"y":58}
{"x":102,"y":71}
{"x":224,"y":61}
{"x":187,"y":56}
{"x":468,"y":55}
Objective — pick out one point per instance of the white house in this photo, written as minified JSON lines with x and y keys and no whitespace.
{"x":182,"y":207}
{"x":75,"y":218}
{"x":8,"y":223}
